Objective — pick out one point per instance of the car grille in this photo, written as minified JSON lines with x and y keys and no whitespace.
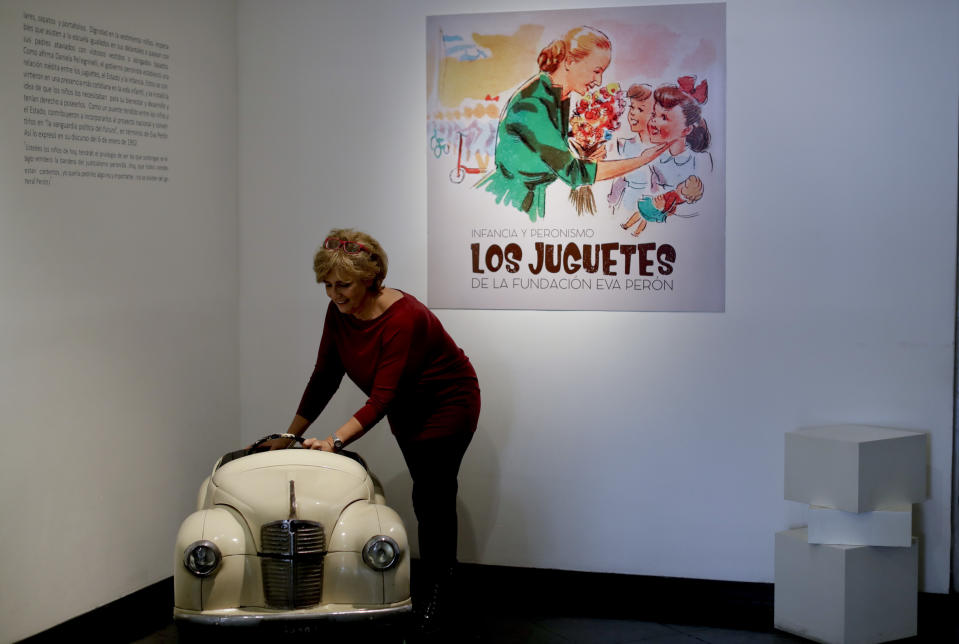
{"x":292,"y":561}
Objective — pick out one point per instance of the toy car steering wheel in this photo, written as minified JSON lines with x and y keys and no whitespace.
{"x":294,"y":437}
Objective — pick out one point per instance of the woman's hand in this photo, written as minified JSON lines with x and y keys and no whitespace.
{"x":322,"y":444}
{"x":652,"y":153}
{"x":598,"y":154}
{"x":347,"y":434}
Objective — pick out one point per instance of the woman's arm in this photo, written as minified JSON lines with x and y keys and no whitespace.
{"x":619,"y":167}
{"x":298,"y":426}
{"x":327,"y":374}
{"x":402,"y":345}
{"x":537,"y":145}
{"x":402,"y":349}
{"x":348,"y":433}
{"x":324,"y":381}
{"x":531,"y":144}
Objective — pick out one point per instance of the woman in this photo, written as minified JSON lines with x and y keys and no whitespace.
{"x":531,"y":145}
{"x":398,"y":353}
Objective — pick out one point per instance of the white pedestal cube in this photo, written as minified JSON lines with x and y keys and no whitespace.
{"x":856,"y":468}
{"x":842,"y":594}
{"x":890,"y":527}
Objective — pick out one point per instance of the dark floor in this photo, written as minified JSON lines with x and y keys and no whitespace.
{"x":552,"y":630}
{"x":517,"y":606}
{"x":740,"y":613}
{"x":547,"y":630}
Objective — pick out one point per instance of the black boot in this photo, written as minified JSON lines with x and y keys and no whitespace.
{"x":431,"y":610}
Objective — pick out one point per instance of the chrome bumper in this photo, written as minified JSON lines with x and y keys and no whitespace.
{"x":251,"y":618}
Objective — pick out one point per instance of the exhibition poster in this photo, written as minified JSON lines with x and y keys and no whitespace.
{"x":575,"y":159}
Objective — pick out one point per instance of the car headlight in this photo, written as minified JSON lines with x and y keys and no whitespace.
{"x":381,"y":553}
{"x":202,"y":558}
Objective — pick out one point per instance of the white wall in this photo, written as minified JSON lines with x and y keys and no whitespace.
{"x":119,"y":346}
{"x":118,"y":334}
{"x":663,"y":456}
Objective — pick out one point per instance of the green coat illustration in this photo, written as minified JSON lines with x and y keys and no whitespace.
{"x":532,"y":150}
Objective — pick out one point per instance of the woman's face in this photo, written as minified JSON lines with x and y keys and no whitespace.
{"x":667,"y":125}
{"x":639,"y":113}
{"x":587,"y":73}
{"x":349,"y":295}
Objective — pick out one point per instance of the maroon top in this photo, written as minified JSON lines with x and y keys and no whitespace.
{"x":411,"y":369}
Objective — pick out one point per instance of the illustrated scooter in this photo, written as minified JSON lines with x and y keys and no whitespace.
{"x":459,"y":173}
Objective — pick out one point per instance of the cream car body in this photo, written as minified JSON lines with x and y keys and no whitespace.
{"x":290,"y":534}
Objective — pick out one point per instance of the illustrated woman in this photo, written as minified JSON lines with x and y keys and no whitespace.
{"x":398,"y":354}
{"x":531,"y":145}
{"x":675,"y":177}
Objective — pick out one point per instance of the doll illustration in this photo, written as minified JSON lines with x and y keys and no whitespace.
{"x":657,"y":207}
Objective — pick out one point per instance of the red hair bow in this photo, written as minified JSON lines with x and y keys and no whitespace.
{"x":689,"y":86}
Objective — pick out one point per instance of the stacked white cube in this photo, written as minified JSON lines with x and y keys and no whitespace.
{"x":852,"y":575}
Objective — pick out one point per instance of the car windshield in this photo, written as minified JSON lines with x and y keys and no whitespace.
{"x":240,"y":453}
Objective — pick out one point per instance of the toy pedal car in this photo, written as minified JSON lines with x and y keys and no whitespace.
{"x":293,"y":534}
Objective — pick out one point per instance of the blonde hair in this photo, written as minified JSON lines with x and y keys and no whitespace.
{"x":365,"y":265}
{"x":576,"y":45}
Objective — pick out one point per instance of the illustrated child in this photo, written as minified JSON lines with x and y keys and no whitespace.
{"x":629,"y":188}
{"x":677,"y":120}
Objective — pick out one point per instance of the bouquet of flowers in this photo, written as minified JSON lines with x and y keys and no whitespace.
{"x":592,"y":124}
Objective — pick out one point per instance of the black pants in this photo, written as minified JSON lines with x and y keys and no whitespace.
{"x":434,"y":465}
